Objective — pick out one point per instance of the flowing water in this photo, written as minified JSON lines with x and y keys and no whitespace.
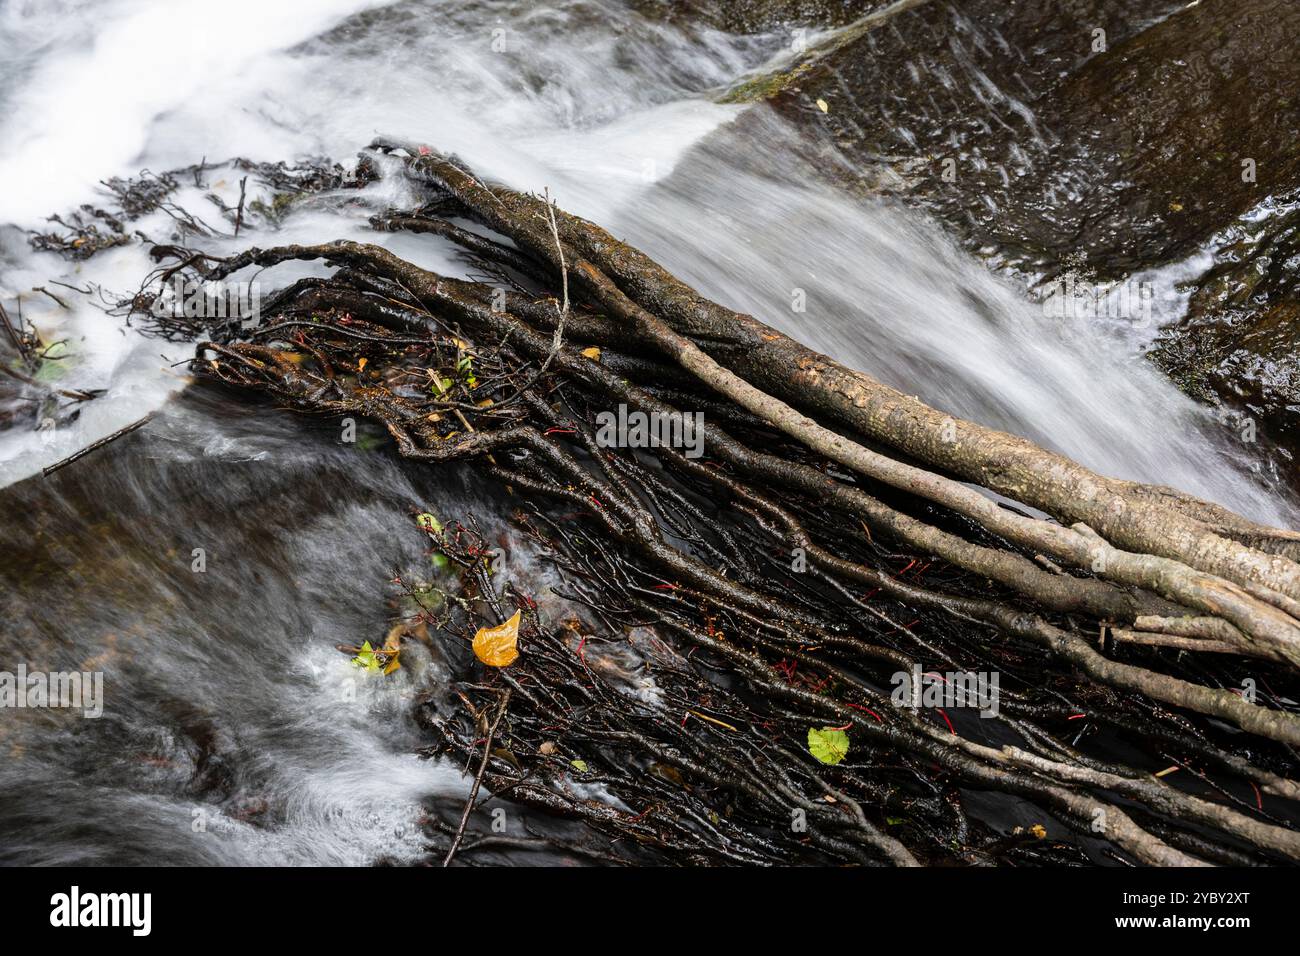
{"x":233,"y":731}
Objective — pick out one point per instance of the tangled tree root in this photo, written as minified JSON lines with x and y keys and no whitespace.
{"x":826,"y":542}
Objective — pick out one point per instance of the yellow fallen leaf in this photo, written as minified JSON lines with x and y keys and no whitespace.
{"x":393,"y":640}
{"x":498,"y":646}
{"x":823,"y":106}
{"x":592,"y":353}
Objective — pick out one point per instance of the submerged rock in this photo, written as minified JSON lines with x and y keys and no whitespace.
{"x":1111,"y":136}
{"x":1240,"y":341}
{"x":754,"y":16}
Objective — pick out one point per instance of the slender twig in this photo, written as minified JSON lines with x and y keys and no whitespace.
{"x":478,"y":778}
{"x":95,"y":446}
{"x":239,"y":211}
{"x":42,"y":289}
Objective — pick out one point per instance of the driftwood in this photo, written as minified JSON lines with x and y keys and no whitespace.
{"x":827,"y":510}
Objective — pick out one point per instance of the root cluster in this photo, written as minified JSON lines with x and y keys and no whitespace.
{"x":828,"y":539}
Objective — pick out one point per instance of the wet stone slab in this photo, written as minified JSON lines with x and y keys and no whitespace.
{"x":1105,"y":137}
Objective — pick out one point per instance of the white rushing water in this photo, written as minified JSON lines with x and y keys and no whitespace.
{"x":606,"y":109}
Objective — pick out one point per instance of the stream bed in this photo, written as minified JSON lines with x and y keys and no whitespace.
{"x":233,"y":730}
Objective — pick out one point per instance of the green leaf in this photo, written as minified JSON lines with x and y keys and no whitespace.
{"x":579,"y":765}
{"x":367,"y":660}
{"x":367,"y":441}
{"x":828,"y":744}
{"x":428,"y":522}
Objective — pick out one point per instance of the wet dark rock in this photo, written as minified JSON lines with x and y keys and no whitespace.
{"x":756,"y":16}
{"x":1102,"y":136}
{"x":1175,"y":133}
{"x":1240,"y":341}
